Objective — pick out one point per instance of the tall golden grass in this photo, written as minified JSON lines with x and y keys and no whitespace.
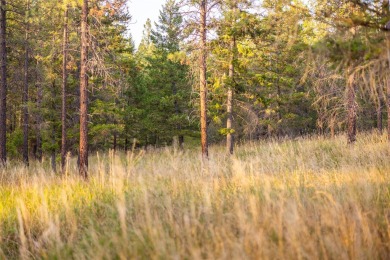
{"x":310,"y":198}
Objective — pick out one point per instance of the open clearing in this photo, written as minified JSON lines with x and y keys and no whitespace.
{"x":301,"y":199}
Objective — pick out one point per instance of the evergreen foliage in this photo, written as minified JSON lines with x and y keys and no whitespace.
{"x":301,"y":67}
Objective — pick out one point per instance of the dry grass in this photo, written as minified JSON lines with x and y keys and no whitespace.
{"x":301,"y":199}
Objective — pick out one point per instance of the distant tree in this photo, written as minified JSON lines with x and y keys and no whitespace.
{"x":167,"y":38}
{"x":353,"y":42}
{"x":233,"y":27}
{"x":26,"y":84}
{"x":63,"y":87}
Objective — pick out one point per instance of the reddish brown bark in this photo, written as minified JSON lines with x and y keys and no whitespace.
{"x":388,"y":88}
{"x":3,"y":83}
{"x":388,"y":105}
{"x":39,"y":116}
{"x":53,"y":131}
{"x":83,"y":153}
{"x":25,"y":94}
{"x":203,"y":82}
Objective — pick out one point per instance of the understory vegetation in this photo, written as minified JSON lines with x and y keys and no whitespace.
{"x":308,"y":198}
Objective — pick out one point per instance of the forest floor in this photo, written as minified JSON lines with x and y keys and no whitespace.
{"x":309,"y":198}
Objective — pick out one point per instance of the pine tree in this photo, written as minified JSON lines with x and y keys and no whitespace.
{"x":167,"y":38}
{"x":203,"y":8}
{"x":26,"y":86}
{"x":64,"y":90}
{"x":83,"y":154}
{"x":3,"y":82}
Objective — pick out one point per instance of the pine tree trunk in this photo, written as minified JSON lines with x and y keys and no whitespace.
{"x":53,"y":162}
{"x":83,"y":167}
{"x":25,"y":96}
{"x":388,"y":106}
{"x":13,"y":120}
{"x":379,"y":116}
{"x":39,"y":119}
{"x":388,"y":88}
{"x":3,"y":83}
{"x":115,"y":142}
{"x":53,"y":129}
{"x":229,"y":122}
{"x":352,"y":112}
{"x":332,"y":125}
{"x":177,"y":112}
{"x":75,"y":106}
{"x":332,"y":132}
{"x":203,"y":79}
{"x":181,"y":142}
{"x":63,"y":97}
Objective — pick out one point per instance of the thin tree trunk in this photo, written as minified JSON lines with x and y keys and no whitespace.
{"x":115,"y":142}
{"x":352,"y":111}
{"x":379,"y":112}
{"x":279,"y":131}
{"x":64,"y":82}
{"x":13,"y":121}
{"x":181,"y":142}
{"x":53,"y":130}
{"x":332,"y":132}
{"x":177,"y":112}
{"x":388,"y":88}
{"x":75,"y":106}
{"x":25,"y":94}
{"x":83,"y":167}
{"x":388,"y":106}
{"x":379,"y":120}
{"x":53,"y":161}
{"x":203,"y":82}
{"x":332,"y":125}
{"x":3,"y":83}
{"x":39,"y":118}
{"x":229,"y":122}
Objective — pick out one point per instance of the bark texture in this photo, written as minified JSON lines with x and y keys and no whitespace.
{"x":3,"y":83}
{"x":203,"y":82}
{"x":83,"y":153}
{"x":39,"y":116}
{"x":25,"y":95}
{"x":388,"y":88}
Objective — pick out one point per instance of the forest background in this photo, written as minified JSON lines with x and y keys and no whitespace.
{"x":235,"y":70}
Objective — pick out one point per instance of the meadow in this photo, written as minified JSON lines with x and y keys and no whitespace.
{"x":309,"y":198}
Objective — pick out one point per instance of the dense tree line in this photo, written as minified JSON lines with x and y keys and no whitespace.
{"x":72,"y":81}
